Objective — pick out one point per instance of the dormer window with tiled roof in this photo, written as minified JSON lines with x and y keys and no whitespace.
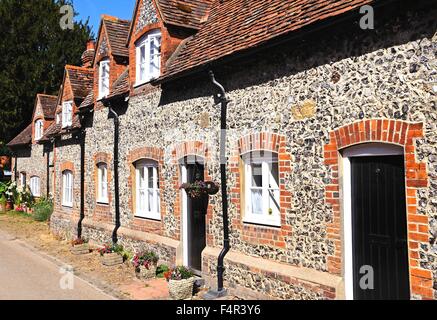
{"x":103,"y":78}
{"x":39,"y":129}
{"x":148,"y":56}
{"x":67,"y":114}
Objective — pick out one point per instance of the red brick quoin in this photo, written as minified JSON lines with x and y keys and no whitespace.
{"x":256,"y":234}
{"x":393,"y":132}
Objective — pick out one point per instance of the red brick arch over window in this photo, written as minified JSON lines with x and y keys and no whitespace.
{"x":67,"y":165}
{"x":393,"y":132}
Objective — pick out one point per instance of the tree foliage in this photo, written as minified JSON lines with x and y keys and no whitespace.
{"x":33,"y":52}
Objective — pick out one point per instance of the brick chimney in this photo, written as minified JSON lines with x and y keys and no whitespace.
{"x":88,"y":55}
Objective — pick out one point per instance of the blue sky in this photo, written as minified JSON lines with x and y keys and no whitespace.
{"x":94,"y":8}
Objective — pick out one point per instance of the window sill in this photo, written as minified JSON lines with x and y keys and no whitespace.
{"x":139,"y":84}
{"x":143,"y":217}
{"x":103,"y":202}
{"x":260,"y":223}
{"x":68,"y":206}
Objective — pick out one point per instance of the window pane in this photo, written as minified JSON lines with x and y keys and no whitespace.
{"x":273,"y":175}
{"x":273,"y":202}
{"x":257,"y":204}
{"x":142,"y":177}
{"x":158,"y":201}
{"x":257,"y":175}
{"x":150,"y":200}
{"x":150,"y":177}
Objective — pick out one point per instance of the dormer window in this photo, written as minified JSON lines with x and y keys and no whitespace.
{"x":103,"y":78}
{"x":148,"y":56}
{"x":39,"y":129}
{"x":67,"y":114}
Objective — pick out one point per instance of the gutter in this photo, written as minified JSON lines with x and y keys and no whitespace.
{"x":116,"y":173}
{"x":81,"y":137}
{"x":223,"y":161}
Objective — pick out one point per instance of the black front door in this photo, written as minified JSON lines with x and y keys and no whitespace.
{"x":379,"y":228}
{"x":196,"y":219}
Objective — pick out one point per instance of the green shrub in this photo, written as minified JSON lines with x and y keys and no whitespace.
{"x":161,"y":269}
{"x":43,"y":209}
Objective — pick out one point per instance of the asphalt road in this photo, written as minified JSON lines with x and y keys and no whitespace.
{"x":26,"y":275}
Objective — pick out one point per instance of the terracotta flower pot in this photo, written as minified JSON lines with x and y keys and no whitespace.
{"x":9,"y":205}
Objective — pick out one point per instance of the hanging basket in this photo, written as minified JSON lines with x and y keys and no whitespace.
{"x":198,"y":189}
{"x":181,"y":289}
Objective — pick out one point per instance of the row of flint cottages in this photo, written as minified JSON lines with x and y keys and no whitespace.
{"x":331,"y":148}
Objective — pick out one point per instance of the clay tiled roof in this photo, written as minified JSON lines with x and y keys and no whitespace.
{"x":118,"y":31}
{"x":48,"y":104}
{"x":236,"y":25}
{"x":89,"y":100}
{"x":81,"y":80}
{"x":56,"y":129}
{"x":23,"y":138}
{"x":121,"y":85}
{"x":186,"y":13}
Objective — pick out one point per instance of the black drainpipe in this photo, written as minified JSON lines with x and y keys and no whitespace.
{"x":82,"y":135}
{"x":16,"y":167}
{"x":116,"y":186}
{"x":48,"y":173}
{"x":226,"y":245}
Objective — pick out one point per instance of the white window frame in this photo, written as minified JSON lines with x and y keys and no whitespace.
{"x":268,"y":188}
{"x":142,"y":190}
{"x":23,"y":179}
{"x":39,"y":129}
{"x":58,"y":118}
{"x":150,"y":58}
{"x":102,"y":183}
{"x":35,"y":186}
{"x":67,"y":188}
{"x":67,"y":114}
{"x":104,"y":81}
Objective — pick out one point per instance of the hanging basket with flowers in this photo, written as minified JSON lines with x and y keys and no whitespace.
{"x":198,"y":189}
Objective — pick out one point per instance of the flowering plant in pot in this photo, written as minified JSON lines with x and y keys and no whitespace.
{"x":180,"y":282}
{"x":80,"y":246}
{"x":112,"y":254}
{"x":145,"y":264}
{"x":200,"y":188}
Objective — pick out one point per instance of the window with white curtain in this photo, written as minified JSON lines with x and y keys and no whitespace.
{"x":148,"y":57}
{"x":67,"y":114}
{"x":67,"y":188}
{"x":102,"y":184}
{"x":262,"y":196}
{"x":103,"y":78}
{"x":35,"y":186}
{"x":39,"y":129}
{"x":147,"y":190}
